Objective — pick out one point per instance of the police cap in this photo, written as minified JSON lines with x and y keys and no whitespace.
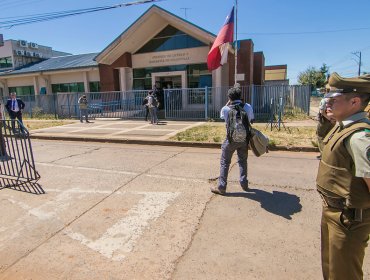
{"x":339,"y":85}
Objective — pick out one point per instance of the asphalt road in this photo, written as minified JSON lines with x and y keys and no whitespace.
{"x":115,"y":211}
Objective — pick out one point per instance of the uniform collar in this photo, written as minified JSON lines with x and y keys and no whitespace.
{"x":236,"y":101}
{"x":351,"y":119}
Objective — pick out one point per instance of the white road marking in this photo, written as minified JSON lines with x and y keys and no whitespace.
{"x":123,"y":235}
{"x":87,"y":168}
{"x":117,"y":241}
{"x":159,"y":176}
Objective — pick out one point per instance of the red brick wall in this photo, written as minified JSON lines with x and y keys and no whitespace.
{"x":245,"y":63}
{"x":109,"y":79}
{"x":258,"y":68}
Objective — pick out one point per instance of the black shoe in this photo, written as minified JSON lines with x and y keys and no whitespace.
{"x":245,"y":187}
{"x":319,"y":157}
{"x":217,"y":190}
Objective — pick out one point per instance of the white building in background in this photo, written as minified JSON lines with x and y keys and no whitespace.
{"x":15,"y":54}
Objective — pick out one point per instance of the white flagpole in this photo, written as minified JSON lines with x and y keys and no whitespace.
{"x":236,"y":39}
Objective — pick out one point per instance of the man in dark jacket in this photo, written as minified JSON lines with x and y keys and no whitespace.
{"x":14,"y":106}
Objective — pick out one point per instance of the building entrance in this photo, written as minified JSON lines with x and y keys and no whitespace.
{"x":169,"y":82}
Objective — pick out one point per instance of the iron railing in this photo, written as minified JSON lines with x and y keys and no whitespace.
{"x":17,"y":165}
{"x":177,"y":104}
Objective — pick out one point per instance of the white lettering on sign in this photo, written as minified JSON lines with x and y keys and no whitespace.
{"x":174,"y":57}
{"x":122,"y":236}
{"x":170,"y":58}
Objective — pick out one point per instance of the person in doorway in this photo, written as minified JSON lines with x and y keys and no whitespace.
{"x":236,"y":115}
{"x":158,"y":93}
{"x":152,"y":105}
{"x":146,"y":107}
{"x":343,"y":180}
{"x":15,"y":106}
{"x":84,"y":111}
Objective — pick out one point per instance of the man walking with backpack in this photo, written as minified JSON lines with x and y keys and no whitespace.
{"x":236,"y":115}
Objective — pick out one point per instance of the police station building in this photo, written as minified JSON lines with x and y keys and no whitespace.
{"x":159,"y":48}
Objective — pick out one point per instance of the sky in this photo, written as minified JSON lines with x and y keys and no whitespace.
{"x":287,"y":31}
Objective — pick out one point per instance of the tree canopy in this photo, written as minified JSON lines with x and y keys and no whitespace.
{"x":313,"y":76}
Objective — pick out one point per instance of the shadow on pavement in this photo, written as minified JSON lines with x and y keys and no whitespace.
{"x":27,"y":187}
{"x":279,"y":203}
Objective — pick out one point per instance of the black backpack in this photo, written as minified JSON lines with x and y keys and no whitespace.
{"x":238,"y":126}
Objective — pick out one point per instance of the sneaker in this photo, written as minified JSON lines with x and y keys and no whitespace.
{"x":217,"y":190}
{"x":319,"y":157}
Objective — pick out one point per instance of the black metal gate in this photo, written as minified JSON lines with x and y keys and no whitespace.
{"x":17,"y":165}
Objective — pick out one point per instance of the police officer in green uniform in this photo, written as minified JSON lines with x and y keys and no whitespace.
{"x":343,"y":180}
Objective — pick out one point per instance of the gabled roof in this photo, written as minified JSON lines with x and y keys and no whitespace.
{"x":57,"y":63}
{"x":151,"y":22}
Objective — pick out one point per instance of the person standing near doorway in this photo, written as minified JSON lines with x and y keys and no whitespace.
{"x":14,"y":106}
{"x":83,"y":104}
{"x":152,"y":105}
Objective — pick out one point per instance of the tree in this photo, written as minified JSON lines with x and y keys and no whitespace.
{"x":313,"y":76}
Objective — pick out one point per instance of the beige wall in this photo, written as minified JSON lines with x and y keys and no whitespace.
{"x":76,"y":77}
{"x":94,"y":75}
{"x":20,"y":82}
{"x":48,"y":78}
{"x":276,"y":74}
{"x":6,"y":50}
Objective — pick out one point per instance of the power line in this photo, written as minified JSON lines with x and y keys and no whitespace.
{"x":23,"y":20}
{"x":306,"y":32}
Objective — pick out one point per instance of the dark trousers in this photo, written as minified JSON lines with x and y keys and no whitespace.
{"x":146,"y":113}
{"x":16,"y":115}
{"x":343,"y":245}
{"x":228,"y":150}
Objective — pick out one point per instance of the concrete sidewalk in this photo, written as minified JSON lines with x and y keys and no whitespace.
{"x":137,"y":132}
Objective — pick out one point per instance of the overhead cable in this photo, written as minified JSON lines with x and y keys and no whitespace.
{"x":29,"y":19}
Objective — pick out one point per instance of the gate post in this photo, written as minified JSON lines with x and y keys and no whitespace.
{"x":69,"y":106}
{"x":206,"y":102}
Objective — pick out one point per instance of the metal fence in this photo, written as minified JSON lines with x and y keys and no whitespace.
{"x":17,"y":165}
{"x":177,"y":104}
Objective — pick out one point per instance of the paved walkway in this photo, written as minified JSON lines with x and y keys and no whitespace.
{"x":117,"y":129}
{"x":125,"y":131}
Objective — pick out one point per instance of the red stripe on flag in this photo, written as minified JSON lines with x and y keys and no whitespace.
{"x":226,"y":35}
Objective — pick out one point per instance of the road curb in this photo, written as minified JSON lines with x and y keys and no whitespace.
{"x":164,"y":143}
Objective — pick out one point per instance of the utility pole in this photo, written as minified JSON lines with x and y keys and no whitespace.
{"x":358,"y":55}
{"x":185,"y":9}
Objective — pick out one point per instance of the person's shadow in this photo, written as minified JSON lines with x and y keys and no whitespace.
{"x":278,"y":203}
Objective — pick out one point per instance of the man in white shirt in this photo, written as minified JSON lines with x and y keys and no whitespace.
{"x":14,"y":106}
{"x":229,"y":147}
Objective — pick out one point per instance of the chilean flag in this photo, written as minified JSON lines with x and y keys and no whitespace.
{"x":217,"y":56}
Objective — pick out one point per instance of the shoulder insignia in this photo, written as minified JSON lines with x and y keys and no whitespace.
{"x":367,"y":131}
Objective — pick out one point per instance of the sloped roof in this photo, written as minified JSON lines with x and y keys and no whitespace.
{"x":57,"y":63}
{"x":151,"y":22}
